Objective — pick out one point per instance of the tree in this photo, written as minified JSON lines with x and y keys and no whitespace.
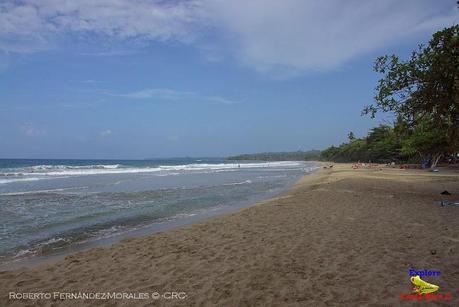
{"x":355,"y":150}
{"x":351,"y":136}
{"x":423,"y":141}
{"x":426,"y":87}
{"x":383,"y":145}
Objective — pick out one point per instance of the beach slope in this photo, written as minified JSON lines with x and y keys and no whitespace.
{"x":340,"y":236}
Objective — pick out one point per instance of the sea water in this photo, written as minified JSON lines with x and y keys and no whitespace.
{"x":48,"y":205}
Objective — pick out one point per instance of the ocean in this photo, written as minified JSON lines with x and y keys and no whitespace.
{"x":48,"y":206}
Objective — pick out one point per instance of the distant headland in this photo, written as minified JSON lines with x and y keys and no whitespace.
{"x":280,"y":156}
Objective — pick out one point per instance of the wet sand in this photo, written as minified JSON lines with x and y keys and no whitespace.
{"x":338,"y":237}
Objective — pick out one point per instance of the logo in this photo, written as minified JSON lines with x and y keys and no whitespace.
{"x":424,"y":291}
{"x":422,"y":287}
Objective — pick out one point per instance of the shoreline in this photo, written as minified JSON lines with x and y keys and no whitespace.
{"x":337,"y":236}
{"x":145,"y":230}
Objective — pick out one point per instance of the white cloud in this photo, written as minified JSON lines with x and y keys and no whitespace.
{"x":169,"y":94}
{"x":30,"y":24}
{"x":29,"y":130}
{"x":267,"y":35}
{"x":162,"y":93}
{"x":89,"y":81}
{"x":221,"y":100}
{"x":110,"y":53}
{"x":320,"y":35}
{"x":105,"y":133}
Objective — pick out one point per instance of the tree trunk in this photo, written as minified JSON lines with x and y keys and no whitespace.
{"x":435,"y":160}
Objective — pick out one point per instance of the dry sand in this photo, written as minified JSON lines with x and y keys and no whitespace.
{"x":338,"y":237}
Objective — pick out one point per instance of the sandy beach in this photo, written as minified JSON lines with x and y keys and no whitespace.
{"x":338,"y":237}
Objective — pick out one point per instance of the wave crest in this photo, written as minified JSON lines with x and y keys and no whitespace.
{"x":38,"y":172}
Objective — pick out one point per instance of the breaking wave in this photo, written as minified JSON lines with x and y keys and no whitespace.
{"x":38,"y":172}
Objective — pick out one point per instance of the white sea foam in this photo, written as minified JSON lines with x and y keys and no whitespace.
{"x":239,"y":183}
{"x":41,"y":191}
{"x":64,"y":167}
{"x":39,"y":172}
{"x":2,"y":181}
{"x":23,"y":252}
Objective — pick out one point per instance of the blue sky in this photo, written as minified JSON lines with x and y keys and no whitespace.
{"x":139,"y":79}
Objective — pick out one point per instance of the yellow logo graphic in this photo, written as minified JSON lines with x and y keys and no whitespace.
{"x":421,"y":286}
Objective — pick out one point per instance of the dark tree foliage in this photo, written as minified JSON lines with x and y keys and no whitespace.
{"x":425,"y":86}
{"x":424,"y":141}
{"x":351,"y":136}
{"x":383,"y":144}
{"x":380,"y":145}
{"x":423,"y":92}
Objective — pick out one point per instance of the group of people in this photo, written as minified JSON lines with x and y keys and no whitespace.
{"x":363,"y":165}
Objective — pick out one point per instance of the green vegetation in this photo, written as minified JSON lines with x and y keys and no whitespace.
{"x":280,"y":156}
{"x":423,"y":94}
{"x":381,"y":145}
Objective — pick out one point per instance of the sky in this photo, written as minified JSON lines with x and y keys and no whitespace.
{"x":135,"y":79}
